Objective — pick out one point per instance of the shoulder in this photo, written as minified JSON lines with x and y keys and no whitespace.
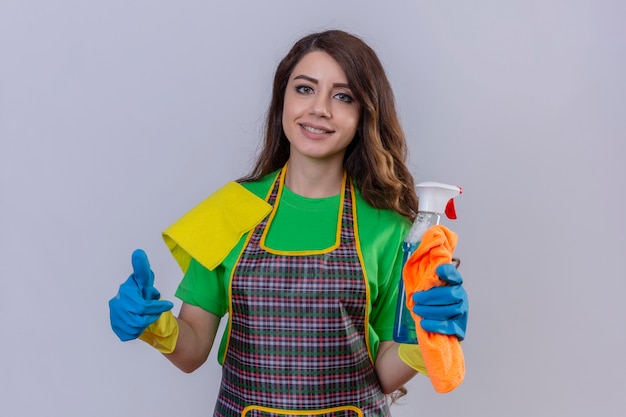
{"x":388,"y":223}
{"x":209,"y":231}
{"x":262,"y":186}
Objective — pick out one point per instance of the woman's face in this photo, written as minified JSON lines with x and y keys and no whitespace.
{"x":320,"y":116}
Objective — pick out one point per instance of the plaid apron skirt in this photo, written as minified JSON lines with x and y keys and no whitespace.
{"x":297,"y":330}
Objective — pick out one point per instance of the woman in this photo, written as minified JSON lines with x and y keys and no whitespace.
{"x":303,"y":254}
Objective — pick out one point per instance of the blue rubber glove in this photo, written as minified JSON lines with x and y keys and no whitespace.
{"x":443,"y":309}
{"x":137,"y":304}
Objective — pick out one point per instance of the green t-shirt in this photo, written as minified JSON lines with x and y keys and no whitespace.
{"x":303,"y":223}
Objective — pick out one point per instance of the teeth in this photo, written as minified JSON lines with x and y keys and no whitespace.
{"x":313,"y":130}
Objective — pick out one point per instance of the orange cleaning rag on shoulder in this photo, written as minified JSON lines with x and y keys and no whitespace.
{"x":442,"y":353}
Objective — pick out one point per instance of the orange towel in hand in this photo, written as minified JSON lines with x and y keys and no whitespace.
{"x":442,"y":353}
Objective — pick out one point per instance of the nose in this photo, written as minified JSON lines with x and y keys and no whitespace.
{"x":320,"y":106}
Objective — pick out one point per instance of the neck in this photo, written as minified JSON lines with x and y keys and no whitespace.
{"x":314,"y":180}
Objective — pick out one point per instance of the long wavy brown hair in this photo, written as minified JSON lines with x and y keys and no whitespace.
{"x":376,"y":157}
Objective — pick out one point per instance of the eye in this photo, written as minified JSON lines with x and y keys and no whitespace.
{"x":304,"y":89}
{"x":346,"y":98}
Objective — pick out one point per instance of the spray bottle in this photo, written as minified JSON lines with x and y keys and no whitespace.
{"x":435,"y":198}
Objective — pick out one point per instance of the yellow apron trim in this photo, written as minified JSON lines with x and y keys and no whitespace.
{"x":229,"y":324}
{"x":302,"y":252}
{"x":278,"y":411}
{"x":368,"y":301}
{"x":209,"y":231}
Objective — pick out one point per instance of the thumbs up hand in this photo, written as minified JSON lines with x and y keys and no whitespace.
{"x":137,"y":304}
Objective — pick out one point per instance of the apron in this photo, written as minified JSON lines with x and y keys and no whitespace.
{"x":298,"y":342}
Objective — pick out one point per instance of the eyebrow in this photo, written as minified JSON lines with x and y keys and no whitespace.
{"x":314,"y":81}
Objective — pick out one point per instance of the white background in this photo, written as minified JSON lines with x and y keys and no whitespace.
{"x":116,"y":117}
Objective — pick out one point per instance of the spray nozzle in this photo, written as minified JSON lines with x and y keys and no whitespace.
{"x":436,"y":197}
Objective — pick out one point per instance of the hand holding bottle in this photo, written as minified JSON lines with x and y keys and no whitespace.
{"x":443,"y":309}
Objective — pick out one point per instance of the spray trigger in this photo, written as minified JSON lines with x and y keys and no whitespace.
{"x":450,"y":210}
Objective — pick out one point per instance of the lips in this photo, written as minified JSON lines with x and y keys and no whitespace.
{"x":315,"y":129}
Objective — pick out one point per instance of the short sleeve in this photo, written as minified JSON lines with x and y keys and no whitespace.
{"x":204,"y":288}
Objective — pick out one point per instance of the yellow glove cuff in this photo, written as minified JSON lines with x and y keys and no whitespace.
{"x":412,"y":356}
{"x":162,"y":334}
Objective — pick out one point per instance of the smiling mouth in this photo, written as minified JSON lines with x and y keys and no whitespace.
{"x":314,"y":130}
